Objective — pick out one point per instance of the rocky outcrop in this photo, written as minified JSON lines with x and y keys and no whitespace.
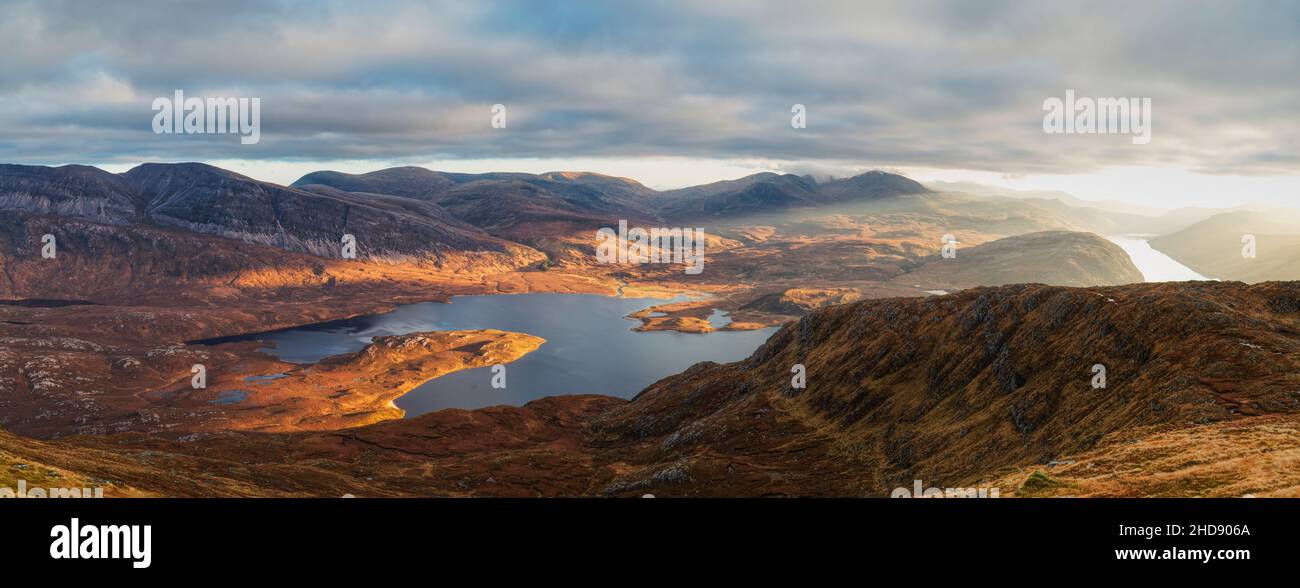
{"x":798,"y":301}
{"x":73,"y":191}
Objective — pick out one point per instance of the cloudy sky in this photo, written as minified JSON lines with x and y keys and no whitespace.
{"x":674,"y":93}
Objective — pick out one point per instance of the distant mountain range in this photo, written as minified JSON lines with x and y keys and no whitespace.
{"x":405,"y":212}
{"x":208,"y":200}
{"x":423,"y":209}
{"x":1106,"y":217}
{"x":767,"y":192}
{"x":515,"y":220}
{"x":502,"y":201}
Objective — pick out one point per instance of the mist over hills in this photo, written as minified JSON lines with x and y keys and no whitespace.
{"x":1107,"y":217}
{"x":1214,"y":246}
{"x":1060,"y":258}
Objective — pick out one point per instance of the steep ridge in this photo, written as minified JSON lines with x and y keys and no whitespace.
{"x":74,"y":191}
{"x":133,"y":262}
{"x":952,"y":389}
{"x":205,"y":199}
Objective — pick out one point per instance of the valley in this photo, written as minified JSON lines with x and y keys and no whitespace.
{"x":622,"y":379}
{"x":985,"y":387}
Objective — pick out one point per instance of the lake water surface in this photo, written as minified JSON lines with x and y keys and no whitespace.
{"x":590,"y":347}
{"x":1154,"y":265}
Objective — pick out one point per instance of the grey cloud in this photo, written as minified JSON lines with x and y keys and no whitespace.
{"x":944,"y":84}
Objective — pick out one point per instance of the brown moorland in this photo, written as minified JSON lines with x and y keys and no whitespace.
{"x":991,"y":386}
